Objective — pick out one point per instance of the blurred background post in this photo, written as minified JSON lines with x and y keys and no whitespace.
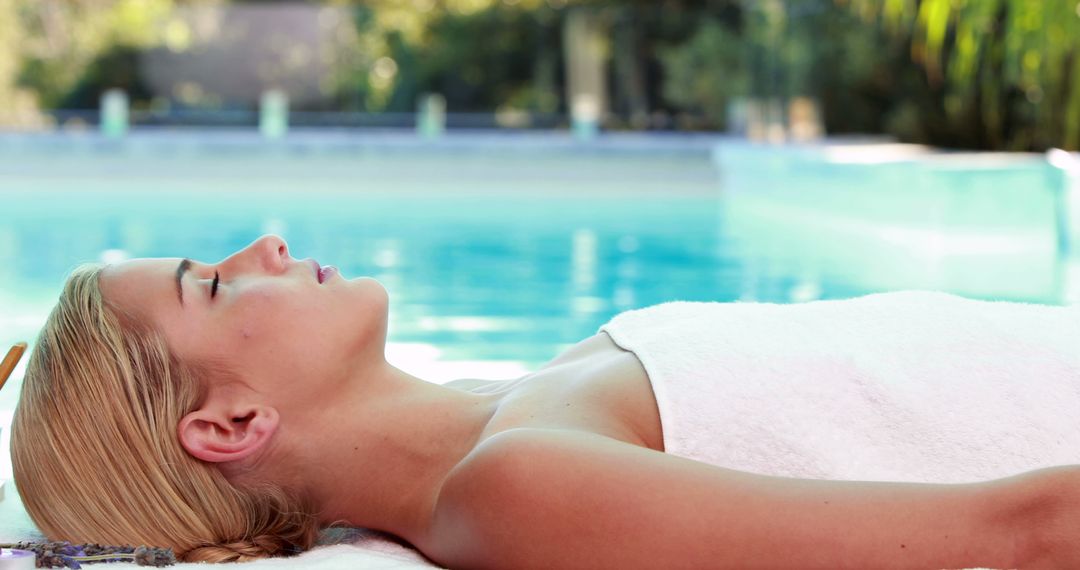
{"x":431,"y":119}
{"x":114,"y":113}
{"x":586,"y":88}
{"x":274,"y":114}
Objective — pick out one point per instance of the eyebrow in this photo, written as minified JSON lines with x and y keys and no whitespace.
{"x":181,"y":269}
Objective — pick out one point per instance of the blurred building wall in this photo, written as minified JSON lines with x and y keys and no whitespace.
{"x":227,"y":55}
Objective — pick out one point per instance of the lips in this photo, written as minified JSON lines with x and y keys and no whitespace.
{"x":321,"y":273}
{"x":326,"y":273}
{"x":318,"y":270}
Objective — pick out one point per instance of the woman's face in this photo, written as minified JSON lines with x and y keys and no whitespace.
{"x":270,"y":320}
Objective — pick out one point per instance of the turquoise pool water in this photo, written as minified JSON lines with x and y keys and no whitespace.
{"x":498,"y":252}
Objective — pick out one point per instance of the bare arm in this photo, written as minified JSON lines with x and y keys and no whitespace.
{"x":554,"y":498}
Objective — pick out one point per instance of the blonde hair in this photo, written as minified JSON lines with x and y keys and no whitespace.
{"x":95,"y":452}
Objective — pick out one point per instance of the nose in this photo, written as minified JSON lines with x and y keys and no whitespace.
{"x":268,"y":254}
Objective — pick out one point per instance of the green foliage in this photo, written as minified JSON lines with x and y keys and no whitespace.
{"x":74,"y":50}
{"x":992,"y":74}
{"x":706,"y":72}
{"x":1009,"y":69}
{"x":985,"y":74}
{"x":488,"y":59}
{"x":482,"y":55}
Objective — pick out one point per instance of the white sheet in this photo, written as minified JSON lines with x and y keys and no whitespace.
{"x":350,"y":549}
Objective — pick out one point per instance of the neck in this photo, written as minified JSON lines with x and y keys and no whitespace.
{"x":376,"y":456}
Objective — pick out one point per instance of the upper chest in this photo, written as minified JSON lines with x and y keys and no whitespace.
{"x":594,"y":386}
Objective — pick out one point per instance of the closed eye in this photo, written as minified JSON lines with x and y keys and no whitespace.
{"x":213,"y":286}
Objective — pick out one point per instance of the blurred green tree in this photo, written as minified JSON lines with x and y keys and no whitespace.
{"x":705,"y":73}
{"x":18,"y":105}
{"x":989,"y":74}
{"x":74,"y":50}
{"x":1007,"y":71}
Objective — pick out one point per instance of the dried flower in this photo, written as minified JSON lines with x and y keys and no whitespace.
{"x":157,"y":557}
{"x":66,"y":555}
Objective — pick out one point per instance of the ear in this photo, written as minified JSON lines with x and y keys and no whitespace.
{"x":219,"y":434}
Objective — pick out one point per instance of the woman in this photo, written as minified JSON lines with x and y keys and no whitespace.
{"x":231,"y":410}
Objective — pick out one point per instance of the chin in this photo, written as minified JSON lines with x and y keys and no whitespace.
{"x":372,"y":289}
{"x":372,"y":302}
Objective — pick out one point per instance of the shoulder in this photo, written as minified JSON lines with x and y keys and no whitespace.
{"x":516,"y":457}
{"x":514,"y":479}
{"x":467,"y":384}
{"x":597,"y":345}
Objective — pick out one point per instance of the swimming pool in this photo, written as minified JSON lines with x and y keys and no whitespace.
{"x":498,"y":251}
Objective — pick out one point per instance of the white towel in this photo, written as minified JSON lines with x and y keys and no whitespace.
{"x":911,"y":386}
{"x":337,"y":549}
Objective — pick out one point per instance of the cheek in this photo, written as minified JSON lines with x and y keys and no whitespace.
{"x":295,"y":333}
{"x":264,"y":322}
{"x":270,"y":306}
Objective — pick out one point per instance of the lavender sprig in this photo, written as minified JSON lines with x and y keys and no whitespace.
{"x":67,"y":555}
